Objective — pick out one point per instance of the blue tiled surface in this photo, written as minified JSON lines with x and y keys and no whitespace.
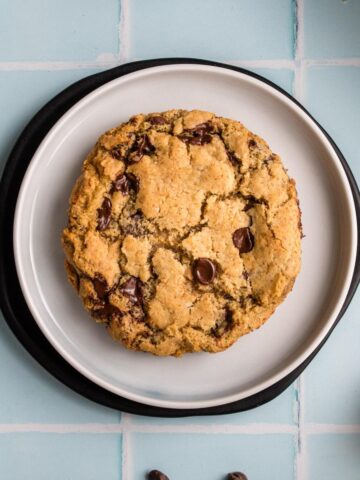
{"x":219,"y":29}
{"x":332,"y":28}
{"x":334,"y":456}
{"x":282,"y":77}
{"x":31,"y":395}
{"x":44,"y":456}
{"x":333,"y":380}
{"x":281,"y":410}
{"x":211,"y":456}
{"x":23,"y":93}
{"x":332,"y":95}
{"x":48,"y":30}
{"x":47,"y":45}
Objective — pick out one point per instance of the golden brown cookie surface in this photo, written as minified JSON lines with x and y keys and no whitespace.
{"x":184,"y":232}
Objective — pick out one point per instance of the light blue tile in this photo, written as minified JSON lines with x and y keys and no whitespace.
{"x":23,"y":93}
{"x":282,"y":77}
{"x":334,"y":456}
{"x":52,"y":30}
{"x":332,"y":385}
{"x":31,"y":395}
{"x":44,"y":456}
{"x":332,"y":28}
{"x":216,"y":29}
{"x":333,"y":98}
{"x":204,"y":457}
{"x":280,"y":410}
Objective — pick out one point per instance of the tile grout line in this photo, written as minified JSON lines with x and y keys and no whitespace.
{"x":299,"y":93}
{"x":124,"y":56}
{"x":127,"y":426}
{"x":124,"y":37}
{"x":126,"y":423}
{"x":301,"y":438}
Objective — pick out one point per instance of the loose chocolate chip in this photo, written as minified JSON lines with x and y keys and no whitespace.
{"x":132,"y":289}
{"x":204,"y":270}
{"x":199,"y":135}
{"x":236,"y":476}
{"x":252,"y":143}
{"x":104,"y":214}
{"x":157,"y":120}
{"x":101,"y":287}
{"x":106,"y":311}
{"x":141,"y":147}
{"x":243,"y":239}
{"x":157,"y":475}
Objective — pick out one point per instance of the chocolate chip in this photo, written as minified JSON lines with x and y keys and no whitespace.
{"x":138,"y":215}
{"x":157,"y":120}
{"x":106,"y":311}
{"x":199,"y":135}
{"x":236,"y":476}
{"x":124,"y":183}
{"x":141,"y":147}
{"x":157,"y":475}
{"x":243,"y":239}
{"x":225,"y":325}
{"x":233,"y":158}
{"x":104,"y":214}
{"x":132,"y":289}
{"x":252,"y":143}
{"x":120,"y":184}
{"x":134,"y":183}
{"x":204,"y":270}
{"x":117,"y":152}
{"x":101,"y":287}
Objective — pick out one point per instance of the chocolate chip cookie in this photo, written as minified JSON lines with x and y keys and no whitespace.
{"x":184,"y":232}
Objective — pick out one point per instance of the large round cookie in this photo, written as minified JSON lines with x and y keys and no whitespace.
{"x":184,"y":232}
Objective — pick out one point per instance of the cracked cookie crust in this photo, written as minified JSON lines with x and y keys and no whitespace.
{"x":184,"y":232}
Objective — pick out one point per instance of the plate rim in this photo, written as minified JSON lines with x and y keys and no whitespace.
{"x":56,"y":342}
{"x":352,"y":183}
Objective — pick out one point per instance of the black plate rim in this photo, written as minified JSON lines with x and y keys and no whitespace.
{"x":11,"y":298}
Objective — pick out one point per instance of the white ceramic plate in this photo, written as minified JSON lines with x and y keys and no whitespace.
{"x":257,"y":360}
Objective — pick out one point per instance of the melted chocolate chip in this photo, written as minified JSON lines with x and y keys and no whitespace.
{"x":251,"y":202}
{"x":106,"y":311}
{"x":132,"y":289}
{"x":236,"y":476}
{"x":134,"y":183}
{"x":225,"y":325}
{"x":233,"y":158}
{"x":204,"y":270}
{"x":101,"y":287}
{"x":200,"y":135}
{"x":124,"y":183}
{"x":243,"y":239}
{"x":116,"y":152}
{"x":104,"y":214}
{"x":157,"y":475}
{"x":252,"y":143}
{"x":141,"y":147}
{"x":157,"y":120}
{"x":120,"y":184}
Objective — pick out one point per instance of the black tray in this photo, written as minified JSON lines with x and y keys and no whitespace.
{"x":12,"y":301}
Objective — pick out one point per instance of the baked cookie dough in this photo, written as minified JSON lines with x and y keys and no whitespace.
{"x":184,"y":232}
